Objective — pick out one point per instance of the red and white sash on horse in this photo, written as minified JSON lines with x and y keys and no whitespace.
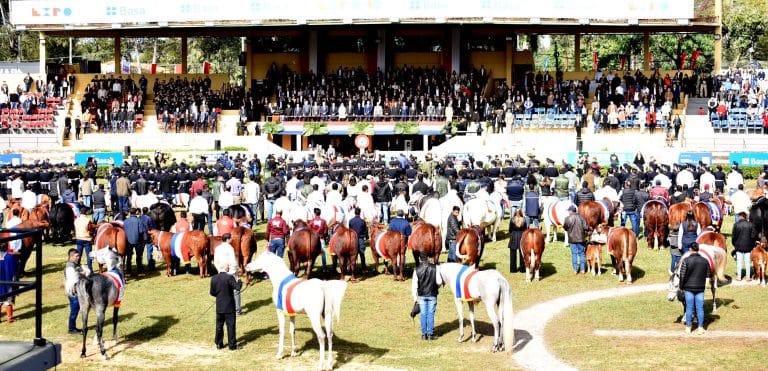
{"x":100,"y":233}
{"x":557,"y":211}
{"x":119,"y":281}
{"x":75,"y":208}
{"x":714,"y":210}
{"x":606,"y":208}
{"x":377,"y":246}
{"x":285,"y":292}
{"x":709,"y":258}
{"x":178,"y":249}
{"x":462,"y":283}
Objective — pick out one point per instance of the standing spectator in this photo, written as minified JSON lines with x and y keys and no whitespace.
{"x":72,"y":273}
{"x":743,"y":238}
{"x":383,"y":196}
{"x":424,"y":289}
{"x":319,"y":226}
{"x":223,"y":286}
{"x":225,"y":256}
{"x":358,"y":225}
{"x":99,"y":205}
{"x":225,"y":224}
{"x":517,"y":225}
{"x":9,"y":263}
{"x":134,"y":233}
{"x":148,"y":224}
{"x":123,"y":193}
{"x":198,"y":207}
{"x":576,"y":227}
{"x":531,"y":206}
{"x":182,"y":224}
{"x":86,"y":191}
{"x":694,"y":271}
{"x":629,"y":204}
{"x":688,"y":232}
{"x":450,"y":235}
{"x":252,"y":192}
{"x":674,"y":248}
{"x":584,"y":194}
{"x":400,"y":224}
{"x":83,"y":227}
{"x":277,"y":230}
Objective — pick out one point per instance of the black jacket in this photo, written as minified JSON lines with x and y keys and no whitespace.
{"x":584,"y":195}
{"x":382,"y":192}
{"x":222,"y":287}
{"x":426,"y":274}
{"x":273,"y":188}
{"x":744,"y":236}
{"x":693,"y":273}
{"x":452,"y":228}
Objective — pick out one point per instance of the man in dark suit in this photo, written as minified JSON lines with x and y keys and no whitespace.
{"x":223,"y":286}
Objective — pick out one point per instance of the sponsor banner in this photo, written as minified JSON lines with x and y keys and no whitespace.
{"x":85,"y":13}
{"x":102,"y":158}
{"x":749,"y":158}
{"x":695,"y":157}
{"x":13,"y":159}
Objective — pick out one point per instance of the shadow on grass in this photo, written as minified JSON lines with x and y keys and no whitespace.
{"x":522,"y":338}
{"x":254,"y":335}
{"x":345,"y":350}
{"x":158,"y":329}
{"x":31,"y":312}
{"x":256,"y":304}
{"x":547,"y":269}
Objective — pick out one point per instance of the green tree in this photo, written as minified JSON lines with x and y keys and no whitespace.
{"x":745,"y":25}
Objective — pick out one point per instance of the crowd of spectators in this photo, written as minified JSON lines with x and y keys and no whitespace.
{"x":114,"y":103}
{"x":191,"y":105}
{"x":739,"y":100}
{"x":30,"y":107}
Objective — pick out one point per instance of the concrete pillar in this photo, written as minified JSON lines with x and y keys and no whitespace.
{"x":510,"y":60}
{"x":426,"y":143}
{"x":577,"y":52}
{"x":646,"y":51}
{"x":118,"y":55}
{"x":381,"y":50}
{"x":718,"y":52}
{"x":298,"y":142}
{"x":312,"y":47}
{"x":42,"y":55}
{"x":184,"y":52}
{"x":456,"y":49}
{"x":248,"y":62}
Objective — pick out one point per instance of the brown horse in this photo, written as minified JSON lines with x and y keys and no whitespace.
{"x":303,"y":248}
{"x":597,"y":212}
{"x":532,"y":246}
{"x":622,"y":245}
{"x":469,"y":246}
{"x":244,"y":245}
{"x":677,"y":213}
{"x":712,"y":238}
{"x":760,"y":262}
{"x":704,"y":215}
{"x":389,"y":245}
{"x":656,"y":220}
{"x":182,"y":246}
{"x":426,"y":239}
{"x":343,"y":247}
{"x":595,"y":259}
{"x":27,"y":243}
{"x":111,"y":235}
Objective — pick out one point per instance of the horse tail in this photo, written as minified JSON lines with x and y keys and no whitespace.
{"x":505,"y":314}
{"x":532,"y":242}
{"x":333,"y":293}
{"x":624,"y":251}
{"x":459,"y":243}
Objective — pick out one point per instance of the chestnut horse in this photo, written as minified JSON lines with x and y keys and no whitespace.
{"x":677,"y":213}
{"x":425,"y":238}
{"x":759,"y":261}
{"x":596,"y":213}
{"x":712,"y":238}
{"x":532,"y":246}
{"x":709,"y":213}
{"x":343,"y":247}
{"x":27,"y":243}
{"x":111,"y":235}
{"x":303,"y":248}
{"x":622,"y":245}
{"x":656,"y":220}
{"x":388,"y":245}
{"x":181,"y":247}
{"x":469,"y":246}
{"x":594,"y":259}
{"x":243,"y":244}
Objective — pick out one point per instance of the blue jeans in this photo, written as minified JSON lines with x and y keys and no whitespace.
{"x":85,"y":245}
{"x":123,"y":204}
{"x":277,"y":246}
{"x":149,"y":248}
{"x":99,"y":215}
{"x":578,"y":257}
{"x":532,"y":219}
{"x":254,"y":213}
{"x":673,"y":263}
{"x":74,"y":309}
{"x":697,"y":300}
{"x":428,"y":307}
{"x":384,"y":209}
{"x":451,"y":250}
{"x":634,"y":218}
{"x":746,"y":259}
{"x":270,"y":205}
{"x":87,"y":201}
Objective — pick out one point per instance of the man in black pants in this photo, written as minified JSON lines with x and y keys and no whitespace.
{"x":223,"y":286}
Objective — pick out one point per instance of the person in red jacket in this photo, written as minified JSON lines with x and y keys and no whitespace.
{"x":277,"y":230}
{"x":182,"y":224}
{"x":225,"y":224}
{"x":319,"y":226}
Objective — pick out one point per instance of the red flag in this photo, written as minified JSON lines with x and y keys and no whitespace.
{"x":206,"y":68}
{"x":683,"y":56}
{"x":153,"y":69}
{"x":594,"y":61}
{"x":694,"y":57}
{"x":177,"y":69}
{"x":623,"y":59}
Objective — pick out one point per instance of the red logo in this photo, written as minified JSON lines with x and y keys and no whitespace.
{"x":51,"y":12}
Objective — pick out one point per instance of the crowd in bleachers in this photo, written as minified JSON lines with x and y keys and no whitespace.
{"x":739,"y":103}
{"x":26,"y":111}
{"x":114,"y":104}
{"x":191,"y":105}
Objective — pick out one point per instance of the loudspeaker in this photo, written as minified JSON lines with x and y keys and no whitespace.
{"x":242,"y":59}
{"x":127,"y":151}
{"x":94,"y":66}
{"x":217,"y":145}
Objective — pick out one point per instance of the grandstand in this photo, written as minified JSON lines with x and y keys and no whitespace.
{"x":398,"y":74}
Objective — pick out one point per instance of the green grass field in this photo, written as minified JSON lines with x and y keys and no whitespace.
{"x":168,"y":323}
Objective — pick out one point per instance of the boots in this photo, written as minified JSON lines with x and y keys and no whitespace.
{"x":9,"y":313}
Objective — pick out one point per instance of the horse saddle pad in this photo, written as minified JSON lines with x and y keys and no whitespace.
{"x":178,"y":249}
{"x":119,"y":281}
{"x":285,"y":293}
{"x":714,"y":210}
{"x":463,"y":278}
{"x":379,"y":249}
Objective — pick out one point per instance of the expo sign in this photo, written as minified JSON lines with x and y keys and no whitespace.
{"x":51,"y":12}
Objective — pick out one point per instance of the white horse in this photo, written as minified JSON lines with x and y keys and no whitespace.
{"x":555,"y":212}
{"x":716,"y":256}
{"x":292,"y":211}
{"x":318,"y":299}
{"x":483,"y":213}
{"x":447,"y":203}
{"x":489,"y":286}
{"x":339,"y":213}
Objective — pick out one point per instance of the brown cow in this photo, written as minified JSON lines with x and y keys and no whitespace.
{"x":622,"y":244}
{"x":596,"y":213}
{"x":425,"y":238}
{"x":469,"y":246}
{"x":595,"y":259}
{"x":303,"y":248}
{"x":655,"y":219}
{"x":712,"y":238}
{"x":759,"y":262}
{"x":532,"y":246}
{"x":343,"y":247}
{"x":389,"y":245}
{"x":192,"y":243}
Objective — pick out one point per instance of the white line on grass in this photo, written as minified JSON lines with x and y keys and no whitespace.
{"x":675,"y":334}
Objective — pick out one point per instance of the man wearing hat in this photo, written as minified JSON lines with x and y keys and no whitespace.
{"x":576,"y":227}
{"x":744,"y":236}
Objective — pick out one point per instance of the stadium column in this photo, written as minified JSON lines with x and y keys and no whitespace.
{"x":456,"y":49}
{"x":248,"y":62}
{"x":381,"y":49}
{"x":510,"y":52}
{"x":42,"y":54}
{"x":312,"y":48}
{"x":577,"y":52}
{"x":184,"y":51}
{"x":718,"y":52}
{"x":117,"y":56}
{"x":646,"y":51}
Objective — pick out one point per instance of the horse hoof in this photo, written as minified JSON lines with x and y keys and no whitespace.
{"x":105,"y":357}
{"x":279,"y":356}
{"x":82,"y":355}
{"x":294,"y":354}
{"x":474,"y":339}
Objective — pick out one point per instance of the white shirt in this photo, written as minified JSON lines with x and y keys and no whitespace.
{"x":607,"y":192}
{"x":685,"y":177}
{"x":225,"y":255}
{"x":14,"y":245}
{"x":16,"y":188}
{"x":252,"y":192}
{"x":226,"y":199}
{"x":707,"y":179}
{"x":333,"y":197}
{"x":146,"y":200}
{"x":290,"y":188}
{"x":741,"y":202}
{"x":734,"y":179}
{"x":316,"y":180}
{"x":198,"y":205}
{"x":28,"y":199}
{"x":663,"y":179}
